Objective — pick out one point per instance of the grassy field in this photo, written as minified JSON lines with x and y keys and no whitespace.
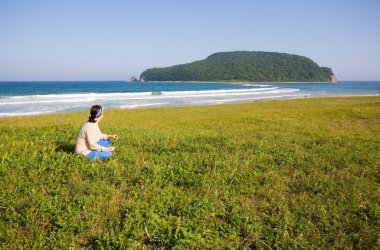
{"x":266,"y":175}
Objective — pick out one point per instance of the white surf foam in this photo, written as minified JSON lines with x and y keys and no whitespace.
{"x":246,"y":99}
{"x":256,"y":85}
{"x":88,"y":97}
{"x":53,"y":103}
{"x":8,"y":114}
{"x":93,"y":97}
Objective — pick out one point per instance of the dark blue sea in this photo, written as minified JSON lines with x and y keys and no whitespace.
{"x":28,"y":98}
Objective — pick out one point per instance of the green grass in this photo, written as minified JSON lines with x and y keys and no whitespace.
{"x":278,"y":174}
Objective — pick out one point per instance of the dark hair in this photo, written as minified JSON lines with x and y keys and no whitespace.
{"x":95,"y":112}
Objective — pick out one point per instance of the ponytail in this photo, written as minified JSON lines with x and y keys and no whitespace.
{"x":91,"y":119}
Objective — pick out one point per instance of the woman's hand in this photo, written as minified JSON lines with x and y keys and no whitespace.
{"x":114,"y":136}
{"x":111,"y":148}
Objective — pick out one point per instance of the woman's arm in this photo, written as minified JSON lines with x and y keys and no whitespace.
{"x":113,"y":136}
{"x":93,"y":143}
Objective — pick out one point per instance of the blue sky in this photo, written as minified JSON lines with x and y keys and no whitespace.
{"x":113,"y":40}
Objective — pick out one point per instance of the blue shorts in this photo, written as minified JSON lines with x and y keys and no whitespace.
{"x":101,"y":154}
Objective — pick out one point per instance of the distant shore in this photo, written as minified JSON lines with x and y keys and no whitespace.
{"x":234,"y":82}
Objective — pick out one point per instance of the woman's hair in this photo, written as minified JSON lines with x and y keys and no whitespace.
{"x":95,"y":112}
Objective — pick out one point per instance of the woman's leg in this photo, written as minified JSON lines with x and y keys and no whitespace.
{"x":104,"y":143}
{"x":99,"y":154}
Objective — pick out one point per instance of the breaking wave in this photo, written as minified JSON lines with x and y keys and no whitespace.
{"x":56,"y":103}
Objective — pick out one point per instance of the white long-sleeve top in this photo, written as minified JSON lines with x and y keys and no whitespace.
{"x":88,"y":137}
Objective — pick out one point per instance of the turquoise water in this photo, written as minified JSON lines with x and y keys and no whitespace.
{"x":28,"y":98}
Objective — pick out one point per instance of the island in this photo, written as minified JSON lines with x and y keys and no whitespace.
{"x":244,"y":66}
{"x":133,"y":79}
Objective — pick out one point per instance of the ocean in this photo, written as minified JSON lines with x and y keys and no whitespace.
{"x":31,"y":98}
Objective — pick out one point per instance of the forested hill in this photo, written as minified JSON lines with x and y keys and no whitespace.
{"x":244,"y":66}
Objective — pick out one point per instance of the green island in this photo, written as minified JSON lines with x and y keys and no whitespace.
{"x":281,"y":174}
{"x":244,"y":66}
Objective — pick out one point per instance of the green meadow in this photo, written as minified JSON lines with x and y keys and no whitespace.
{"x":284,"y":174}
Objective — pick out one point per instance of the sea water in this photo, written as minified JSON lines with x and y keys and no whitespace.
{"x":29,"y":98}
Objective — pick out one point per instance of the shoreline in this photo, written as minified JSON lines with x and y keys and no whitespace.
{"x":201,"y":105}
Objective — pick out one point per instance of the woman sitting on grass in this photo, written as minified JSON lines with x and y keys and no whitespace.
{"x":91,"y":142}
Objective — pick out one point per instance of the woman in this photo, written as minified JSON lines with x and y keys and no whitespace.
{"x":91,"y":142}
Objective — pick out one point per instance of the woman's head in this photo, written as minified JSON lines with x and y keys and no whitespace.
{"x":96,"y":113}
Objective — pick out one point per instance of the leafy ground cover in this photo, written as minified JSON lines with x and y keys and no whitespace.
{"x":280,"y":174}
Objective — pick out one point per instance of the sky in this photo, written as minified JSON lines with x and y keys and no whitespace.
{"x":67,"y":40}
